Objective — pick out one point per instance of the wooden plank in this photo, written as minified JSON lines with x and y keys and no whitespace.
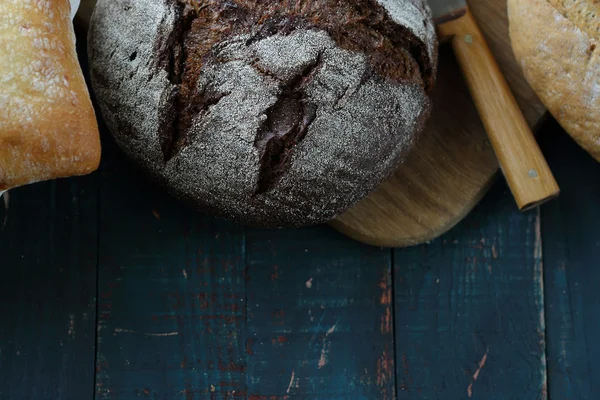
{"x":319,"y":317}
{"x":171,"y":295}
{"x":48,"y":240}
{"x":572,"y":270}
{"x":469,"y":308}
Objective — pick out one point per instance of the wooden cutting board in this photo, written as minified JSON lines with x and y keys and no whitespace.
{"x":453,"y":164}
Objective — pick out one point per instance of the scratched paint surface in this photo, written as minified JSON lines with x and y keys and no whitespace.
{"x":319,"y":317}
{"x":572,"y":271}
{"x":47,"y":291}
{"x":171,"y":297}
{"x":469,"y":309}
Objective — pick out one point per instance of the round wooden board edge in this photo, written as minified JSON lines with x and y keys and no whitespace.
{"x":394,"y":242}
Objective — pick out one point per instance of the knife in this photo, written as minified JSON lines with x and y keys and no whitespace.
{"x":521,"y":160}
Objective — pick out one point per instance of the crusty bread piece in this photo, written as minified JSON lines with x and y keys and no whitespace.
{"x":266,"y":112}
{"x":557,"y":45}
{"x":48,"y":127}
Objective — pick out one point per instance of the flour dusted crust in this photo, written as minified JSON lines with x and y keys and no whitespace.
{"x":557,"y":43}
{"x":269,"y":117}
{"x":47,"y":124}
{"x":415,"y":15}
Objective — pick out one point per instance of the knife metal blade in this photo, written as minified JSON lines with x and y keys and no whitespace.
{"x":447,"y":10}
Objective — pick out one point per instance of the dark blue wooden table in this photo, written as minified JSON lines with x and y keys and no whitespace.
{"x":110,"y":289}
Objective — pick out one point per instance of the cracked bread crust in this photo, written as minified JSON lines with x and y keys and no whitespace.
{"x":272,"y":114}
{"x":556,"y":45}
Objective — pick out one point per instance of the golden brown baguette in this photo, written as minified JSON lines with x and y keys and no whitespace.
{"x":48,"y":127}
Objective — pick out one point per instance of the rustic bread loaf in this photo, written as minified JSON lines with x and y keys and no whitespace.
{"x":557,"y":45}
{"x":274,"y":113}
{"x":48,"y":128}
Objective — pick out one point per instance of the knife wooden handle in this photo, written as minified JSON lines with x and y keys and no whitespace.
{"x":520,"y":157}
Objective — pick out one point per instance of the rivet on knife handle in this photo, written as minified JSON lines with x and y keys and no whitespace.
{"x":521,"y":160}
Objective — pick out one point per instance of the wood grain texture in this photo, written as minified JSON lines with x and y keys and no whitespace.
{"x":453,"y":164}
{"x":48,"y":240}
{"x":572,"y":270}
{"x":48,"y":253}
{"x":171,"y":296}
{"x":521,"y":160}
{"x":320,"y":318}
{"x":469,"y":309}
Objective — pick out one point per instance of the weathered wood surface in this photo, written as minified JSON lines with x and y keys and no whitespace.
{"x":571,"y":231}
{"x":48,"y":240}
{"x":469,"y":310}
{"x":320,"y":321}
{"x":171,"y":306}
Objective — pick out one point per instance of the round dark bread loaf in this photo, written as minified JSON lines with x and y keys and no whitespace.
{"x":274,"y":113}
